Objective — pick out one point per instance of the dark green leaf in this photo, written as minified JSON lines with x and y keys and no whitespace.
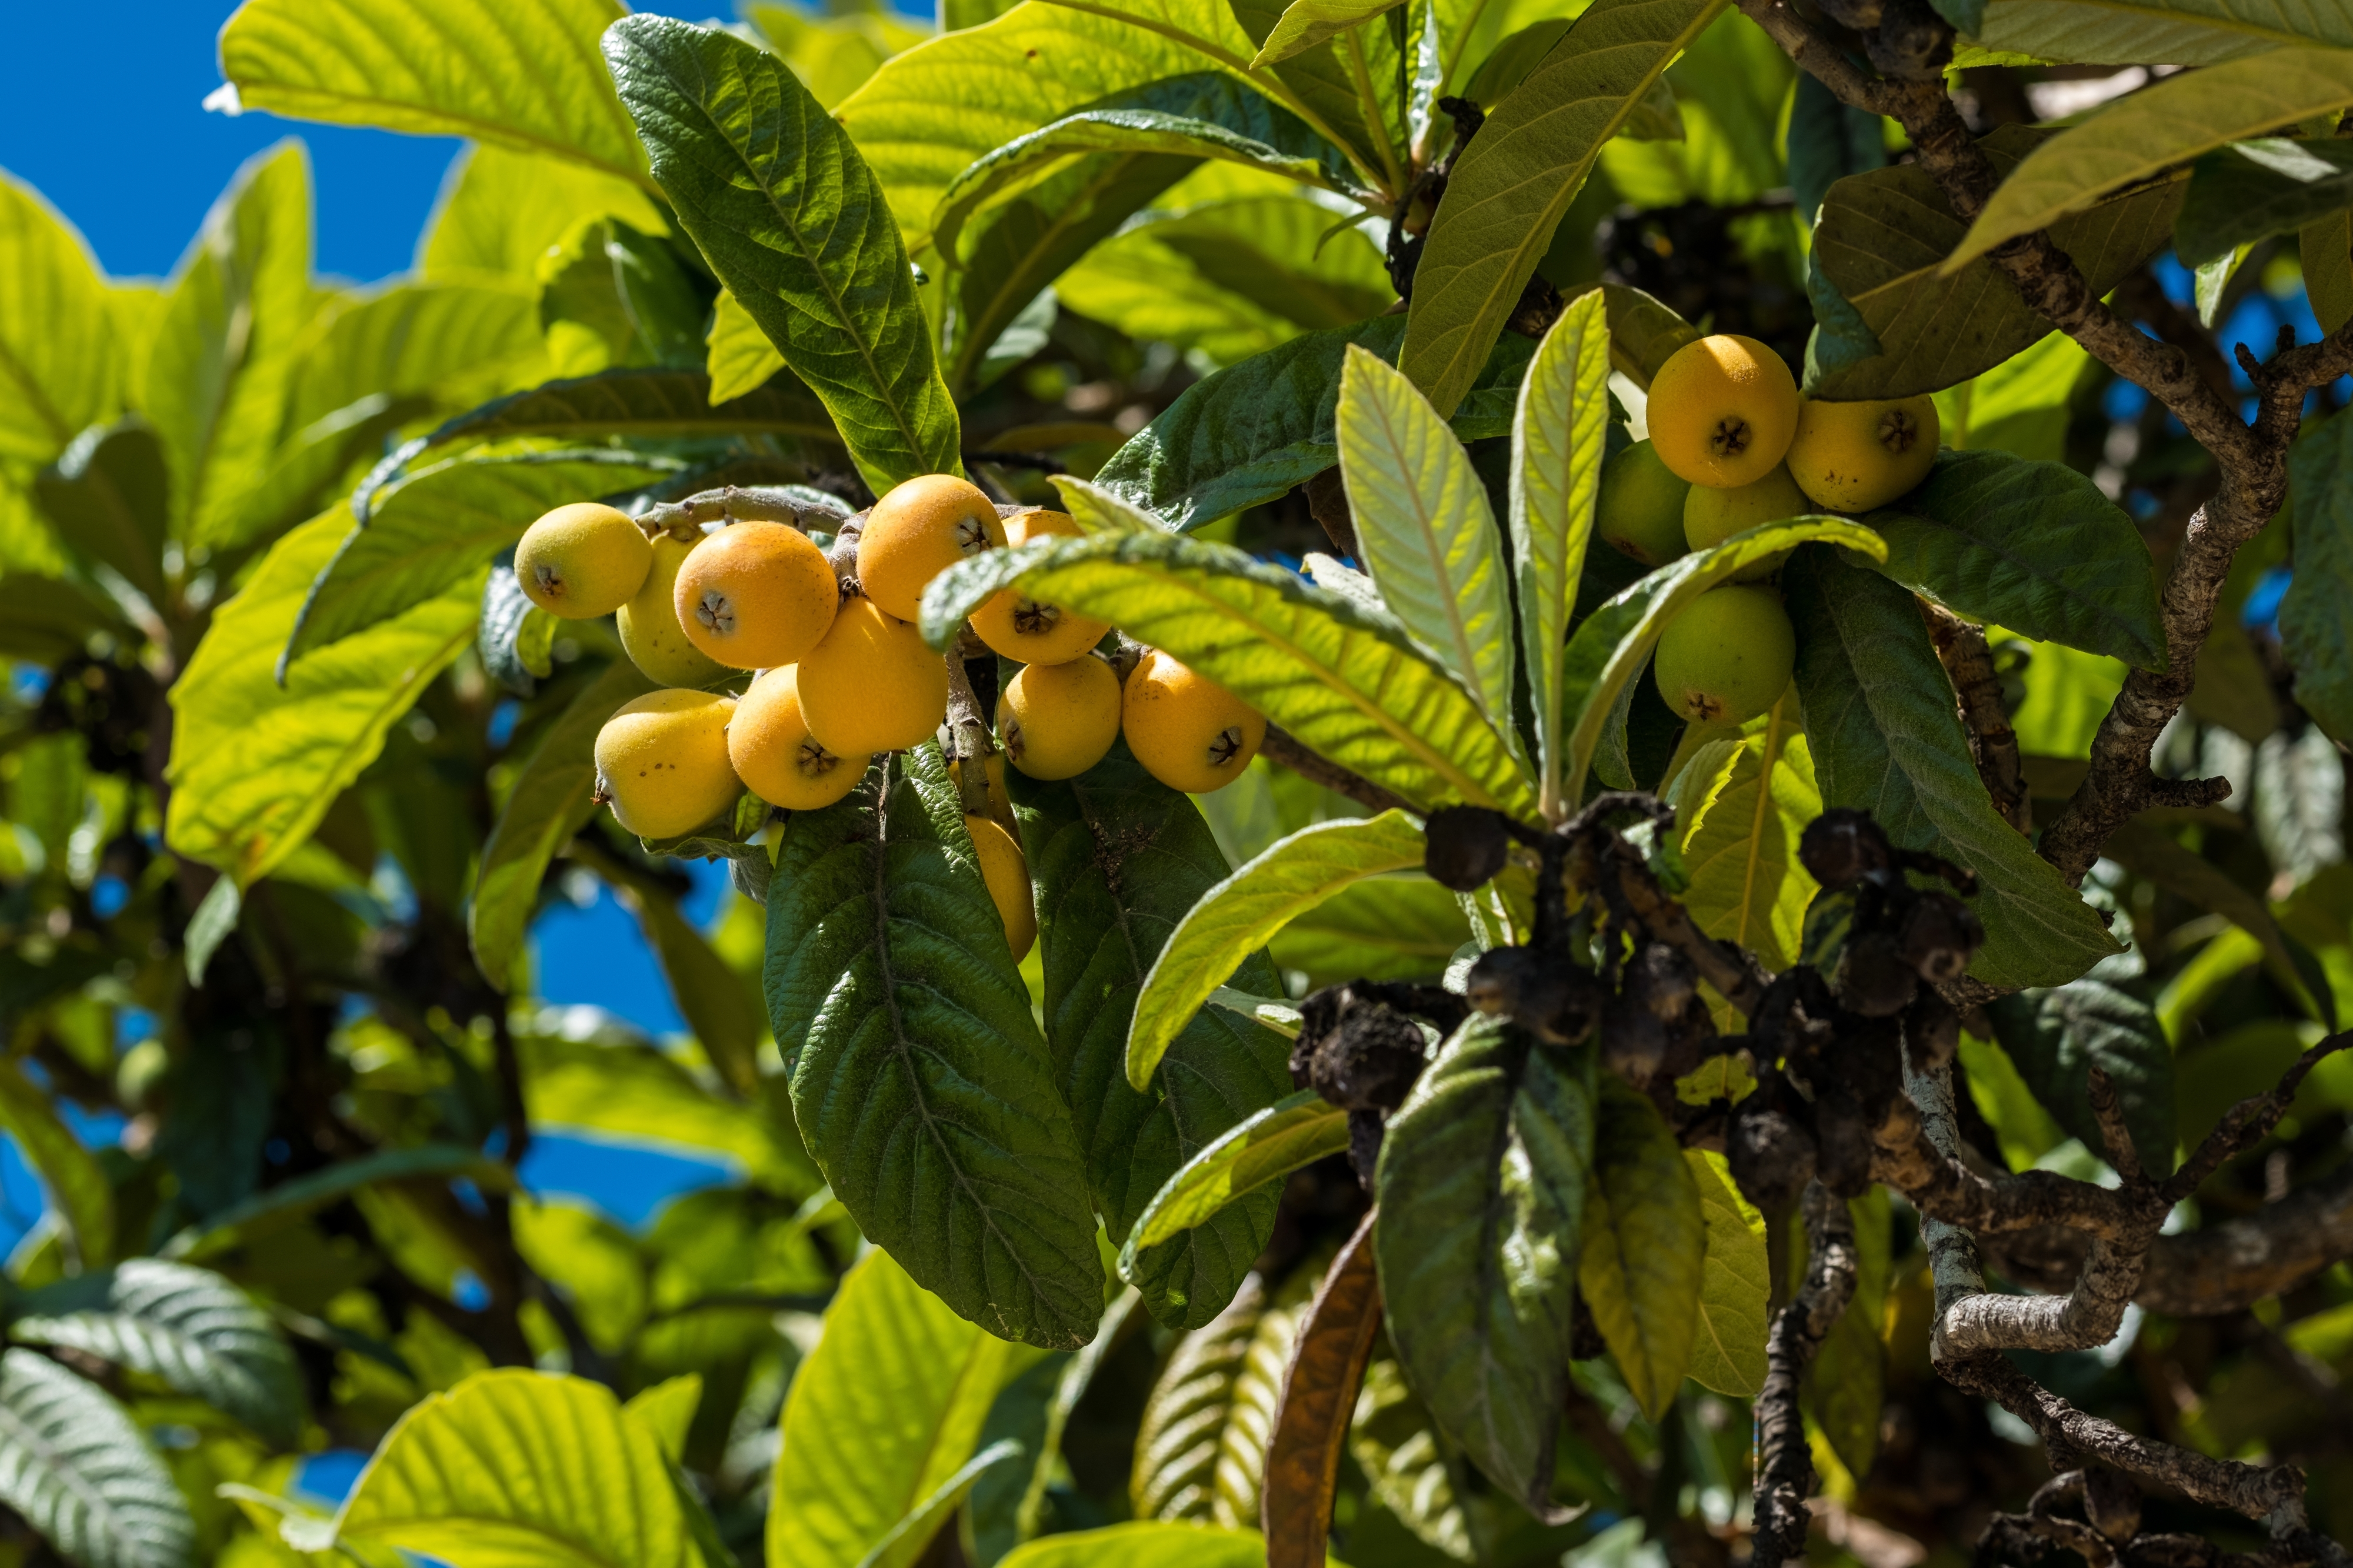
{"x":1876,"y":251}
{"x":2257,"y":189}
{"x":1348,"y":85}
{"x":1885,"y":737}
{"x":78,"y":1470}
{"x":2317,"y":617}
{"x":795,"y":224}
{"x":500,"y":640}
{"x":1827,"y":141}
{"x":919,"y":1079}
{"x":108,"y":498}
{"x":1294,"y":1131}
{"x":2055,"y":1037}
{"x":45,"y":619}
{"x":1645,"y":1245}
{"x":1118,"y":860}
{"x":1482,"y":1184}
{"x":187,"y":1326}
{"x":2032,"y":546}
{"x":1246,"y":434}
{"x":290,"y":1201}
{"x":1511,"y":185}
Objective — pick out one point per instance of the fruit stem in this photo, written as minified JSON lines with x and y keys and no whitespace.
{"x":968,"y":729}
{"x":729,"y":503}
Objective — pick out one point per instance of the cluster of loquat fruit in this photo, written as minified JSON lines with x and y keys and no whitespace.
{"x":1732,"y":445}
{"x":840,"y":673}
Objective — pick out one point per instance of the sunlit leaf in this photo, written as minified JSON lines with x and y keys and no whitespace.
{"x":1297,"y":1130}
{"x":1736,"y":1282}
{"x":75,"y":1467}
{"x":1643,"y":1269}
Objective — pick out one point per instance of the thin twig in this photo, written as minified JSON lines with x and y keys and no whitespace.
{"x":1282,"y":746}
{"x":1785,"y":1469}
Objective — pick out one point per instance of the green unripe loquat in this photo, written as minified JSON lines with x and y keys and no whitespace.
{"x":1713,"y":516}
{"x":1726,"y":657}
{"x":662,"y":763}
{"x":582,"y":561}
{"x":1058,"y":719}
{"x":651,"y":634}
{"x":1641,"y":510}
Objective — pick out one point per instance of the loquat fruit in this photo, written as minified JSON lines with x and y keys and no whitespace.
{"x":1018,"y":627}
{"x":1640,"y":509}
{"x":920,"y":529}
{"x":582,"y":561}
{"x":1007,"y":876}
{"x":776,"y":757}
{"x":872,"y":685}
{"x":662,"y":763}
{"x":1000,"y":804}
{"x":1723,"y":410}
{"x":651,"y":634}
{"x":753,"y":595}
{"x":1853,"y":457}
{"x":1188,"y":732}
{"x":1058,"y":719}
{"x":1713,"y":516}
{"x":1726,"y":657}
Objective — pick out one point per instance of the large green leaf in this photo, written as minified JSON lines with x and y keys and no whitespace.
{"x":1885,"y":737}
{"x":2132,"y":31}
{"x":187,"y":1326}
{"x":1612,"y":646}
{"x":1350,"y":88}
{"x":1736,"y":1282}
{"x":2253,"y":190}
{"x":1307,"y":23}
{"x":1234,"y":919}
{"x":254,"y":765}
{"x":1642,"y":1268}
{"x":1740,"y":850}
{"x":2315,"y":615}
{"x":1425,"y":529}
{"x":1482,"y":1185}
{"x":75,"y":1467}
{"x":108,"y":497}
{"x":505,"y":213}
{"x":2020,"y":405}
{"x":1344,"y":679}
{"x":76,"y":1182}
{"x":1556,"y":450}
{"x":60,"y":366}
{"x":1117,"y":860}
{"x":2143,"y":134}
{"x":2034,"y":547}
{"x":522,"y":78}
{"x":1296,"y":1130}
{"x":1889,"y":325}
{"x":885,"y":1410}
{"x":919,"y":1078}
{"x":1248,"y":434}
{"x":1511,"y":185}
{"x":638,"y":1094}
{"x":440,"y":526}
{"x":2055,"y":1036}
{"x":794,"y":223}
{"x":549,"y":801}
{"x":1389,"y":928}
{"x":516,"y":1467}
{"x":1190,"y":1408}
{"x":1146,"y":1543}
{"x":223,"y":354}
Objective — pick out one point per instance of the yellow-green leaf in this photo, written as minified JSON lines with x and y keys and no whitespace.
{"x":1147,"y":1543}
{"x":1296,"y":1130}
{"x":1307,"y":23}
{"x":1736,"y":1282}
{"x":1740,"y":847}
{"x":2183,"y":32}
{"x":77,"y":1184}
{"x":60,"y":366}
{"x":510,"y":213}
{"x":742,"y":357}
{"x":1643,"y":1267}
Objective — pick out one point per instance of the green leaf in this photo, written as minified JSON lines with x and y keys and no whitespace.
{"x":1879,"y":718}
{"x":1117,"y":859}
{"x":1344,"y":679}
{"x":635,"y":1094}
{"x":75,"y":1467}
{"x":1191,"y":1408}
{"x":1389,"y":928}
{"x":60,"y":365}
{"x":719,"y":1007}
{"x":1246,"y":434}
{"x":1307,"y":23}
{"x":223,"y":358}
{"x":1643,"y":1265}
{"x":514,"y":1467}
{"x":2130,"y":32}
{"x":254,"y":765}
{"x":288,"y":1202}
{"x":2313,"y":615}
{"x":2034,"y":547}
{"x":46,"y":620}
{"x":108,"y":498}
{"x":1511,"y":185}
{"x":742,"y":357}
{"x":2055,"y":1036}
{"x":76,"y":1182}
{"x":1844,"y":1390}
{"x":884,"y":1413}
{"x":2141,"y":847}
{"x":1877,"y":252}
{"x":2020,"y":405}
{"x":1294,"y":1131}
{"x":550,"y":802}
{"x":2163,"y":125}
{"x":1643,"y":333}
{"x":600,"y":1269}
{"x":1612,"y":644}
{"x":1234,"y":919}
{"x":1146,"y":1543}
{"x":528,"y":81}
{"x":1828,"y":140}
{"x":1740,"y":850}
{"x":2324,"y":251}
{"x":1426,"y":532}
{"x":504,"y":213}
{"x":187,"y":1326}
{"x":918,"y":1076}
{"x":794,"y":223}
{"x":2253,"y":190}
{"x":1736,"y":1281}
{"x":1483,"y":1184}
{"x":439,"y":526}
{"x":1557,"y":450}
{"x":667,"y":1410}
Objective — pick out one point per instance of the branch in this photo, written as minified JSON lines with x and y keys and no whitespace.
{"x":1785,"y":1472}
{"x":1961,"y":647}
{"x":1282,"y":746}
